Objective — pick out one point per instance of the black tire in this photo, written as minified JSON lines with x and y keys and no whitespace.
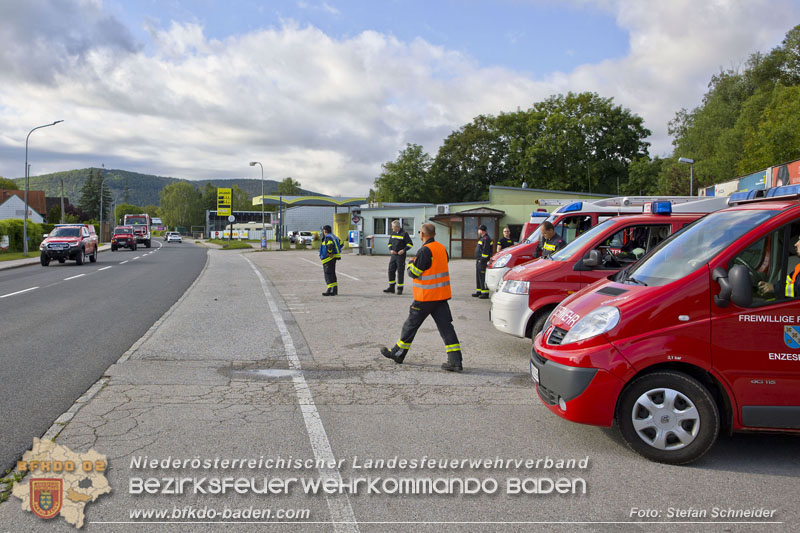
{"x":61,"y":260}
{"x":668,"y":417}
{"x":44,"y":260}
{"x":133,"y":248}
{"x":79,"y":257}
{"x":147,"y":243}
{"x":538,"y":324}
{"x":113,"y":247}
{"x":93,"y":257}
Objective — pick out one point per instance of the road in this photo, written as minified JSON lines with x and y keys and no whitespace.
{"x":62,"y":326}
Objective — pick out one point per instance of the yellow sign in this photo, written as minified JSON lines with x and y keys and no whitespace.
{"x":223,"y":202}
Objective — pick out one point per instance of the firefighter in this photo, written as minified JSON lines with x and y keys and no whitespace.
{"x":505,"y":241}
{"x":482,"y":252}
{"x":330,"y":251}
{"x":431,"y":288}
{"x":399,"y":244}
{"x":549,"y":242}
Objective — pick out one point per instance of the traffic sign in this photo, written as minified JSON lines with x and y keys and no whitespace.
{"x":356,"y":219}
{"x":231,"y":218}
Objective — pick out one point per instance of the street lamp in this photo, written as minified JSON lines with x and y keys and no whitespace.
{"x":27,"y":175}
{"x":691,"y":173}
{"x":102,"y":182}
{"x":263,"y":226}
{"x":62,"y":200}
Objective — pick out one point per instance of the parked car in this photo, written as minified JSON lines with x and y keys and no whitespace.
{"x":698,"y":338}
{"x":305,"y":237}
{"x":292,"y":236}
{"x":123,"y":237}
{"x":69,"y":241}
{"x":174,"y":236}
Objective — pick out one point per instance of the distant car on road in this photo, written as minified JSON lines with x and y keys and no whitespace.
{"x":124,"y":237}
{"x":174,"y":236}
{"x":305,"y":237}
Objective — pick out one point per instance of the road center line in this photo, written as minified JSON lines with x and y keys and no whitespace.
{"x":73,"y":277}
{"x":18,"y":292}
{"x":135,"y":258}
{"x":104,"y":268}
{"x":124,"y":262}
{"x":342,"y":516}
{"x":342,"y":273}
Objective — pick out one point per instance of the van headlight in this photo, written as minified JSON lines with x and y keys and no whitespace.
{"x":596,"y":323}
{"x":514,"y":286}
{"x":503,"y":261}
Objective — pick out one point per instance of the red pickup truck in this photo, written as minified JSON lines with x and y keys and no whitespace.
{"x":69,"y":241}
{"x":124,"y":237}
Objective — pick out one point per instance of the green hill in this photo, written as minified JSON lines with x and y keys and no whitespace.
{"x":141,"y":189}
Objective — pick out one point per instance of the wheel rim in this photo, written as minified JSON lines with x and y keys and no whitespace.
{"x":665,"y":419}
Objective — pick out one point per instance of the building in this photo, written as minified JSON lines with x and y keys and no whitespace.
{"x":36,"y":199}
{"x":14,"y":207}
{"x":457,"y":223}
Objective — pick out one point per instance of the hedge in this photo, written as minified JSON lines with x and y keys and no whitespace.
{"x":14,"y":229}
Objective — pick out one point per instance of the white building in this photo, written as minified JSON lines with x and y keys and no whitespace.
{"x":14,"y":207}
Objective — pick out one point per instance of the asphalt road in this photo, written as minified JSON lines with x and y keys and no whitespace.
{"x":71,"y":322}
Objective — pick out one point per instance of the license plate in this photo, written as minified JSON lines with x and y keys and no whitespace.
{"x":534,"y":373}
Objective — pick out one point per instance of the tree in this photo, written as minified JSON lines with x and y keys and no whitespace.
{"x":240,"y":201}
{"x":643,"y":177}
{"x":54,"y":215}
{"x":90,"y":195}
{"x":289,"y":187}
{"x":405,"y":179}
{"x":128,"y":209}
{"x":6,"y":183}
{"x":181,"y":205}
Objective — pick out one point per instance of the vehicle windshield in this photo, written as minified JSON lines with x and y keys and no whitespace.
{"x":536,"y":235}
{"x":66,"y":232}
{"x":136,"y":220}
{"x":566,"y":253}
{"x":690,"y":249}
{"x":122,"y":231}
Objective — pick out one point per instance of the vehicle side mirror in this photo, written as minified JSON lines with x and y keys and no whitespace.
{"x":593,"y":259}
{"x":45,"y":235}
{"x":734,"y":286}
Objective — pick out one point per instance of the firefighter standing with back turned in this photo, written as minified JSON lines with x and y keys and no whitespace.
{"x":330,"y":251}
{"x":482,"y":253}
{"x":399,"y":244}
{"x":431,"y":285}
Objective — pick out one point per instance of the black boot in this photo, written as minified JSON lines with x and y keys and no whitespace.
{"x":328,"y":292}
{"x":335,"y":291}
{"x":476,"y":294}
{"x":390,"y":290}
{"x":484,"y":295}
{"x":399,"y":290}
{"x":453,"y":363}
{"x":396,"y":354}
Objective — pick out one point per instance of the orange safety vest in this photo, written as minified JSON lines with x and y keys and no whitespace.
{"x":789,"y":290}
{"x":433,"y":284}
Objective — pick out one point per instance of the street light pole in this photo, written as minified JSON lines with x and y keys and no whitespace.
{"x":62,"y":200}
{"x":691,"y":173}
{"x":102,"y":182}
{"x":263,"y":225}
{"x":27,"y":175}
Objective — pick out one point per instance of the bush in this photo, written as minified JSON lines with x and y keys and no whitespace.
{"x":14,"y":229}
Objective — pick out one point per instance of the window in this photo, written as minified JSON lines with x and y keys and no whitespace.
{"x":379,"y":226}
{"x":771,"y":262}
{"x":572,"y":227}
{"x":408,"y":225}
{"x":628,"y":245}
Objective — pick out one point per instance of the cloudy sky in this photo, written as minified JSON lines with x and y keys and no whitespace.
{"x":327,"y":90}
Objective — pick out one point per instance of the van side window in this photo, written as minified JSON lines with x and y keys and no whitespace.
{"x":628,"y":245}
{"x":572,"y":227}
{"x":768,"y":261}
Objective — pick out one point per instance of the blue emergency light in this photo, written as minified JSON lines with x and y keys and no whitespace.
{"x":784,"y":190}
{"x":540,"y":214}
{"x":661,"y":208}
{"x":574,"y":206}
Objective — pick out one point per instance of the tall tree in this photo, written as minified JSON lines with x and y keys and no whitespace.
{"x":289,"y":187}
{"x":6,"y":183}
{"x":181,"y":205}
{"x":90,"y":195}
{"x":405,"y":179}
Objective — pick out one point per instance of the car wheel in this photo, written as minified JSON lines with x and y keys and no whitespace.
{"x":147,"y":243}
{"x":668,"y":417}
{"x":113,"y":248}
{"x":79,"y":257}
{"x":538,"y":324}
{"x":44,"y":260}
{"x":93,"y":257}
{"x":62,"y":260}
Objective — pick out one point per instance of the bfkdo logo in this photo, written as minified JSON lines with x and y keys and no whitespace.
{"x":46,"y":497}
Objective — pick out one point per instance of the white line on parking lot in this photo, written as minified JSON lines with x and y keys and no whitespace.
{"x":341,"y":513}
{"x":18,"y":292}
{"x":73,"y":277}
{"x":342,"y":273}
{"x":104,"y":268}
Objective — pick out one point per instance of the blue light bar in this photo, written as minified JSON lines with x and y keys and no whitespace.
{"x":574,"y":206}
{"x":783,"y":191}
{"x":540,"y":214}
{"x":738,"y":197}
{"x":661,"y":208}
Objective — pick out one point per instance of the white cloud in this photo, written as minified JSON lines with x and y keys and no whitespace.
{"x":325,"y":111}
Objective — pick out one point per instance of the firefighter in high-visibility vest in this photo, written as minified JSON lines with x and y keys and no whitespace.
{"x":431,"y":287}
{"x":791,"y":285}
{"x":549,"y":242}
{"x":399,"y":244}
{"x":330,"y":251}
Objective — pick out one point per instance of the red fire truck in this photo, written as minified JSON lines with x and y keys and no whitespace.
{"x":141,"y":227}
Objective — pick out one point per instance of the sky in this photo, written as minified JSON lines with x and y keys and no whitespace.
{"x":326,"y":91}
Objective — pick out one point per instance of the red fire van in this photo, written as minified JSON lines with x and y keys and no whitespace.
{"x":701,"y":336}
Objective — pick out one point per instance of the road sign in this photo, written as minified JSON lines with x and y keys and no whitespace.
{"x":223,"y":202}
{"x":231,"y":218}
{"x":356,"y":219}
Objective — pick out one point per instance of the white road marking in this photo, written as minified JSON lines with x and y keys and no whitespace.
{"x":18,"y":292}
{"x":135,"y":258}
{"x":342,"y":516}
{"x":104,"y":268}
{"x":337,"y":273}
{"x":124,"y":262}
{"x":73,"y":277}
